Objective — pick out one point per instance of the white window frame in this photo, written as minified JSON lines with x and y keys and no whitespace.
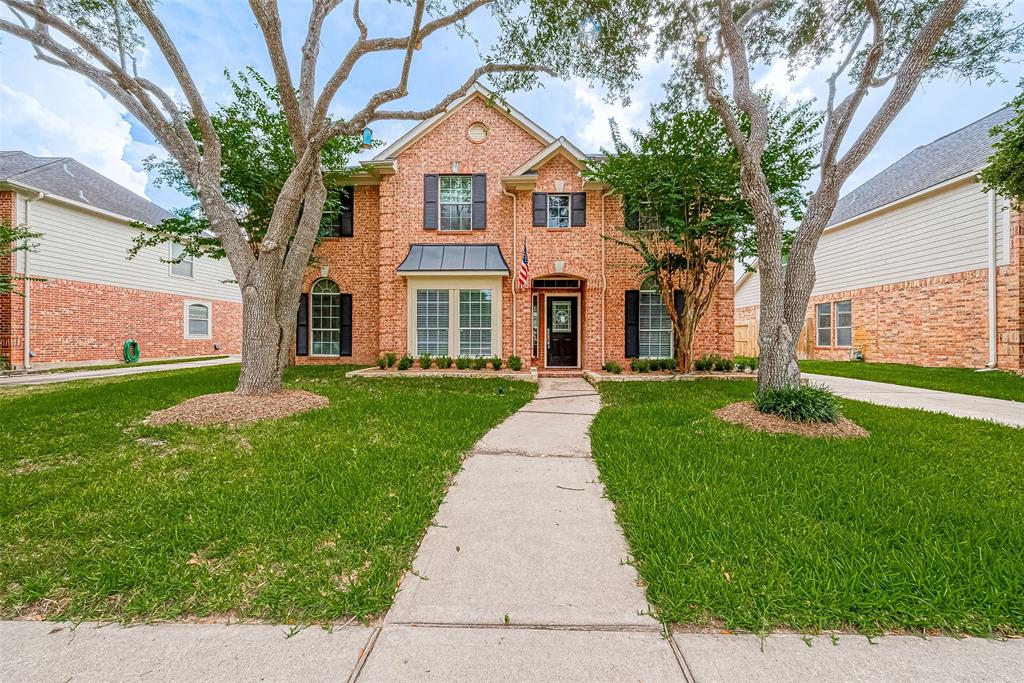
{"x":441,"y":203}
{"x":209,"y":320}
{"x":187,"y":258}
{"x":312,"y":318}
{"x":489,"y":327}
{"x":836,"y":325}
{"x":648,"y":291}
{"x":818,"y":329}
{"x":423,"y":345}
{"x":568,"y":210}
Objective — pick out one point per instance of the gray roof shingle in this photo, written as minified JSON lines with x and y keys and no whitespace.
{"x":453,"y":258}
{"x":952,"y":155}
{"x":67,"y":178}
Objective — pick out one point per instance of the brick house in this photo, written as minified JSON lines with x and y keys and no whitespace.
{"x":422,"y":255}
{"x":918,"y":265}
{"x":89,"y":297}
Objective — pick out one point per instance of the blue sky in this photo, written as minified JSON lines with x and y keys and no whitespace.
{"x":49,"y":112}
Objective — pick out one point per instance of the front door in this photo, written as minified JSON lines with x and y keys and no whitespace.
{"x":562,"y":330}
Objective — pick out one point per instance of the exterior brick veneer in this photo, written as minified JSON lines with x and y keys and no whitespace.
{"x":389,"y":218}
{"x":935,"y":321}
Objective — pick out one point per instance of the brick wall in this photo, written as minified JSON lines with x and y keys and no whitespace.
{"x":79,"y":321}
{"x":936,"y":321}
{"x":352,"y":263}
{"x":399,"y":216}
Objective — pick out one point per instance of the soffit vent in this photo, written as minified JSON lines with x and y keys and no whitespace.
{"x":477,"y":132}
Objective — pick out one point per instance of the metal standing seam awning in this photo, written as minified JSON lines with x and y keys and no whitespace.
{"x":453,"y":259}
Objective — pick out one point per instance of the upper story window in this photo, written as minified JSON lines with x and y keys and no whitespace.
{"x":338,"y":214}
{"x":558,"y":211}
{"x":456,"y":200}
{"x":181,"y":263}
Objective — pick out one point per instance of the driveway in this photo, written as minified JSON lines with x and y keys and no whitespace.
{"x":961,"y":405}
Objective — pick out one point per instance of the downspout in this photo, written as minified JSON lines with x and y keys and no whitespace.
{"x":515,"y":251}
{"x":993,"y":329}
{"x":26,"y":362}
{"x":604,"y":276}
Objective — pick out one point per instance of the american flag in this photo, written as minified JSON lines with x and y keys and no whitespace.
{"x":523,"y":276}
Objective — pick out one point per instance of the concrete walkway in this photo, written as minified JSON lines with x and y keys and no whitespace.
{"x":523,"y":576}
{"x":961,"y":405}
{"x":70,"y":376}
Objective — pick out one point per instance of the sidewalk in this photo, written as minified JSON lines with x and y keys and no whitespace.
{"x":70,"y":376}
{"x":961,"y":405}
{"x":523,"y":576}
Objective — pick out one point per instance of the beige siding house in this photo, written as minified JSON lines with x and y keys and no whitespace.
{"x":919,"y":265}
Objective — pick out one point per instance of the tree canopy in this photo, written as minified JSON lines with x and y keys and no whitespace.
{"x":1005,"y":170}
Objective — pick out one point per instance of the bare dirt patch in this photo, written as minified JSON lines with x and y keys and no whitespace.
{"x":231,"y":408}
{"x":744,"y":413}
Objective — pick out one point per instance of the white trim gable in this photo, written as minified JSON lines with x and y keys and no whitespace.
{"x":559,"y":146}
{"x":476,"y":90}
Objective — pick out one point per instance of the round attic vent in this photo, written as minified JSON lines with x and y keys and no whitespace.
{"x":477,"y":132}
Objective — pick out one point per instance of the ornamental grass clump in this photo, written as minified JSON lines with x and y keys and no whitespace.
{"x":390,"y":359}
{"x":405,"y":362}
{"x":462,"y":362}
{"x":806,"y":404}
{"x":515,"y":363}
{"x":496,"y":363}
{"x":443,"y":362}
{"x":612,"y":367}
{"x":480,"y":363}
{"x":425,"y":361}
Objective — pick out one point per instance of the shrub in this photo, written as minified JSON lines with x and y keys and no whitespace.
{"x":382,"y":362}
{"x":665,"y":364}
{"x":443,"y":362}
{"x":806,"y":404}
{"x":462,"y":362}
{"x":425,"y":361}
{"x":741,"y":363}
{"x":639,"y":365}
{"x":479,"y":363}
{"x":390,"y":359}
{"x":612,"y":367}
{"x":515,"y":363}
{"x":704,"y":363}
{"x":722,"y":364}
{"x":496,"y":363}
{"x":405,"y":362}
{"x":752,"y":361}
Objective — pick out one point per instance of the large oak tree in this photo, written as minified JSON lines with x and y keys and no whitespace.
{"x":99,"y":39}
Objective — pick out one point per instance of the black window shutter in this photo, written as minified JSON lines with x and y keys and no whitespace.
{"x":345,"y":212}
{"x":679,"y":303}
{"x":479,"y":201}
{"x":579,"y":209}
{"x":346,"y":325}
{"x":540,"y":209}
{"x":430,"y":201}
{"x":632,"y":323}
{"x":302,"y":326}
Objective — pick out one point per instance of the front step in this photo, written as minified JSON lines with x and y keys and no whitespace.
{"x":557,"y":372}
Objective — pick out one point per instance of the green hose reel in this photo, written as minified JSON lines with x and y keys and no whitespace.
{"x":131,"y":351}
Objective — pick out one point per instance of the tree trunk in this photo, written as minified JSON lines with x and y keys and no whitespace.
{"x":266,"y":342}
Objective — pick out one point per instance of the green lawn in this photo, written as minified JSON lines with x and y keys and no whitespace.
{"x":919,"y":526}
{"x":311,"y":518}
{"x":163,"y":361}
{"x":995,"y":384}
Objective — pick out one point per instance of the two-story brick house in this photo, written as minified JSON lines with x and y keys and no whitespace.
{"x":423,"y":255}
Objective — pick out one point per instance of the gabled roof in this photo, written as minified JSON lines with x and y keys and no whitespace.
{"x":957,"y":154}
{"x":557,"y":147}
{"x":66,"y":178}
{"x":476,"y":90}
{"x":434,"y":258}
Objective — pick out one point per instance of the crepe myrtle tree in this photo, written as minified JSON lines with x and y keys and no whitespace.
{"x":874,"y":53}
{"x":686,"y":216}
{"x":99,"y":38}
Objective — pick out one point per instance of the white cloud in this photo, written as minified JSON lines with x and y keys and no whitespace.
{"x":49,"y":112}
{"x":778,"y":80}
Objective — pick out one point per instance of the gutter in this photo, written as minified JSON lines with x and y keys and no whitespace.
{"x":992,"y":289}
{"x":26,"y":363}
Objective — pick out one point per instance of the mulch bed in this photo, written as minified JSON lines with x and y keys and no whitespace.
{"x":744,"y":413}
{"x":231,"y":408}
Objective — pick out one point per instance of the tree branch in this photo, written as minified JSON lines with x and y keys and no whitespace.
{"x":269,"y":22}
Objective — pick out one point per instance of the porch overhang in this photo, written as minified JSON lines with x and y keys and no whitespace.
{"x":453,"y":259}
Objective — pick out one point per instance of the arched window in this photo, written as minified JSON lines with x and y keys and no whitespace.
{"x":326,"y":318}
{"x":655,"y":324}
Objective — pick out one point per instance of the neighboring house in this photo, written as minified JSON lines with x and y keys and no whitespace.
{"x":93,"y":297}
{"x":905,"y":268}
{"x":424,"y":252}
